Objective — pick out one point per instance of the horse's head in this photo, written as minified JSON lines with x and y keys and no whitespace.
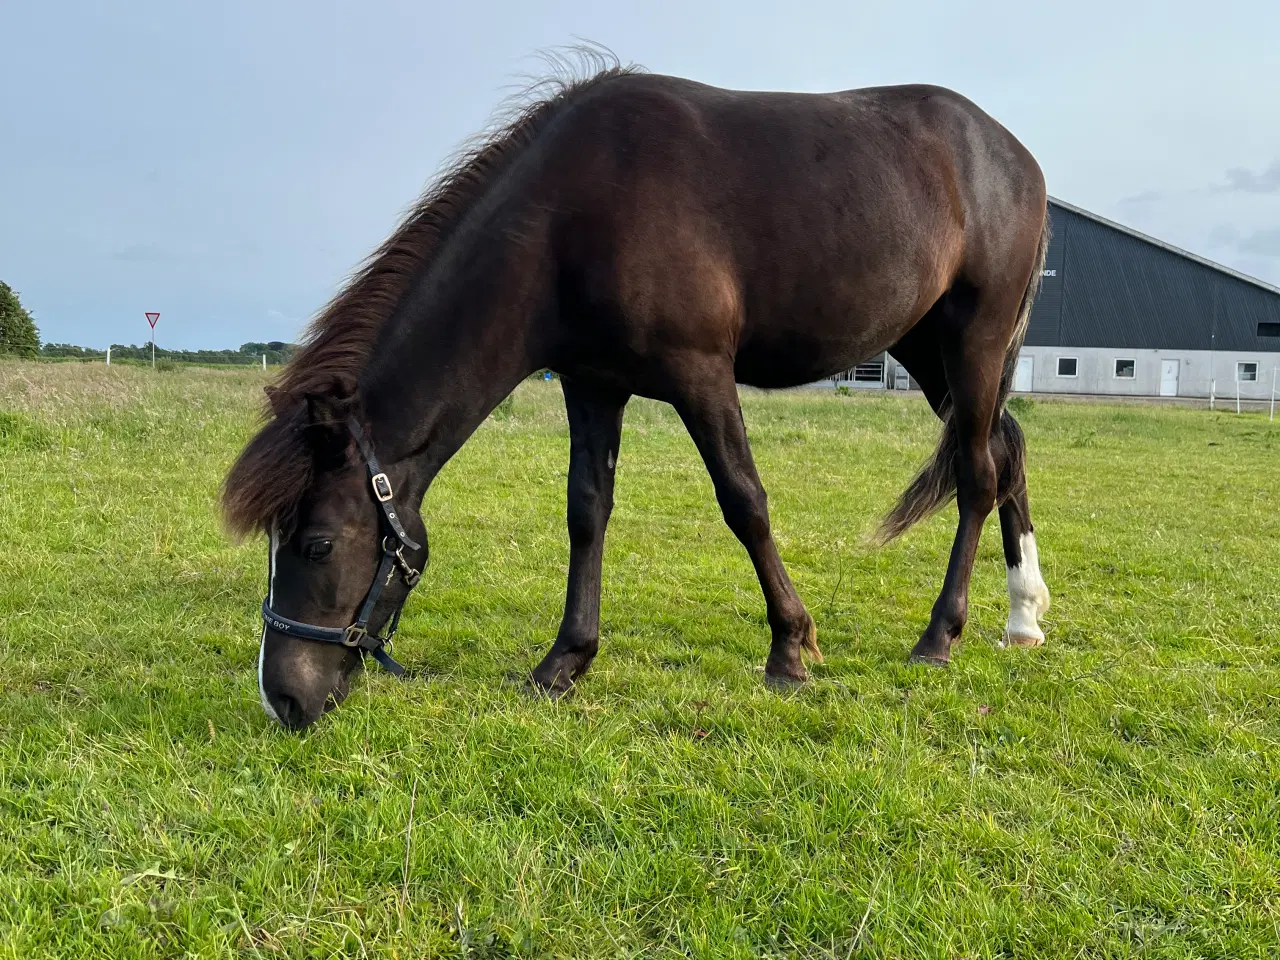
{"x":343,"y":556}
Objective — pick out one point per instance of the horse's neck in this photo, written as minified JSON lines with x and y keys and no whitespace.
{"x":473,"y":327}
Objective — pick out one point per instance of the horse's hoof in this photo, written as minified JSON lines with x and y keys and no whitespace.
{"x":1024,"y":639}
{"x":783,"y":682}
{"x":929,"y":660}
{"x":547,"y":691}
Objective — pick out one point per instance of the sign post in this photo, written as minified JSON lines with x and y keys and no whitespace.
{"x":151,"y":319}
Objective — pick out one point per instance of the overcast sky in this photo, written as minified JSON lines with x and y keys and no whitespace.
{"x":228,"y":163}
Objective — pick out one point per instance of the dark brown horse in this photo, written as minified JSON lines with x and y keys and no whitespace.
{"x":648,"y":235}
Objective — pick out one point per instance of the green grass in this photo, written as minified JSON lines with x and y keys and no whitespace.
{"x":1113,"y":794}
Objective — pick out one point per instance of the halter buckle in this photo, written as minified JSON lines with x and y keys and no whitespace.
{"x":354,"y":635}
{"x":381,"y":487}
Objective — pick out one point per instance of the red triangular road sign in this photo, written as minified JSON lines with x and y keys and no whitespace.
{"x":152,"y":318}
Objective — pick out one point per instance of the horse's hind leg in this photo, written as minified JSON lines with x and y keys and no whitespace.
{"x":1028,"y":595}
{"x":595,"y":431}
{"x":920,"y":352}
{"x":707,"y":402}
{"x":973,"y":366}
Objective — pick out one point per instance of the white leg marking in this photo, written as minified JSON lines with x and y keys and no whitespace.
{"x":1028,"y":596}
{"x":262,"y":647}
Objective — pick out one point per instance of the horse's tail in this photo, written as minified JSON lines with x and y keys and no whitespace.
{"x":935,"y":484}
{"x":1024,"y":317}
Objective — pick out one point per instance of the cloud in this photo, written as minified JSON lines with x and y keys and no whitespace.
{"x":1224,"y":235}
{"x":1240,"y":180}
{"x":1262,"y":243}
{"x":1258,"y":243}
{"x":1140,"y":199}
{"x":143,"y":253}
{"x":1237,"y":180}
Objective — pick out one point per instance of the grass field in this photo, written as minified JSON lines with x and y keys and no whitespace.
{"x":1113,"y":794}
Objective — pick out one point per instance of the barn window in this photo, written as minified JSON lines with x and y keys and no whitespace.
{"x":1246,"y":371}
{"x":1126,"y":369}
{"x":1267,"y":329}
{"x":1067,"y":366}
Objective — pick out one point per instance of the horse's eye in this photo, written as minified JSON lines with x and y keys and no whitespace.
{"x":319,"y":549}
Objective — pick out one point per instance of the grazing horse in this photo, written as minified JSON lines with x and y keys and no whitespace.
{"x":649,"y":235}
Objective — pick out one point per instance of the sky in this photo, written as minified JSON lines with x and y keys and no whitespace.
{"x":228,"y":164}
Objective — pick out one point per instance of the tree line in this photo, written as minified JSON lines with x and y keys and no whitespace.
{"x":249,"y":353}
{"x":20,"y":337}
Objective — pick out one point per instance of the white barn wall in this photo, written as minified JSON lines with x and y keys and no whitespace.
{"x":1197,"y":368}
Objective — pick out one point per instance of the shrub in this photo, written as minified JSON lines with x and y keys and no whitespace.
{"x":18,"y":333}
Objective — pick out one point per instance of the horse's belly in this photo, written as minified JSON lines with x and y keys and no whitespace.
{"x":796,"y":355}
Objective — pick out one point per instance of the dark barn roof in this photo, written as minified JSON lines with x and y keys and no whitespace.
{"x":1106,"y":285}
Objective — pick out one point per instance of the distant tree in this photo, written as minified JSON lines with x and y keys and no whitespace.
{"x":18,"y":333}
{"x":70,"y":350}
{"x":277,"y":351}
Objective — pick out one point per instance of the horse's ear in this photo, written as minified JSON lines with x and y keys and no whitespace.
{"x":327,"y":414}
{"x":282,"y":404}
{"x":333,"y":404}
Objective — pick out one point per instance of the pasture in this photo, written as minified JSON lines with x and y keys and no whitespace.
{"x":1112,"y":794}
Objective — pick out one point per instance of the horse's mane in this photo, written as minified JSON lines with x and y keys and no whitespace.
{"x":269,"y":479}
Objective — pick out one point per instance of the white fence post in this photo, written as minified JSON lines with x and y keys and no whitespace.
{"x":109,"y":357}
{"x":1237,"y":391}
{"x":1213,"y":388}
{"x":264,"y":363}
{"x":1274,"y":371}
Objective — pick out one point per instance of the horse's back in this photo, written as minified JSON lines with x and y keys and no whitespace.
{"x":768,"y":146}
{"x":819,"y":226}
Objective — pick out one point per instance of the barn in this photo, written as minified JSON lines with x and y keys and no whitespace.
{"x":1121,"y":313}
{"x":1124,"y":314}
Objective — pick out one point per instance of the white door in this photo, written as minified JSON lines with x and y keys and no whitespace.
{"x":1022,"y":377}
{"x":1169,"y":378}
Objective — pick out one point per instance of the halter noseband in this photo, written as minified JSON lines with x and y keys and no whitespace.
{"x":394,"y":541}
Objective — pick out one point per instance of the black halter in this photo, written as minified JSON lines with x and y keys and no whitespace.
{"x":394,"y":540}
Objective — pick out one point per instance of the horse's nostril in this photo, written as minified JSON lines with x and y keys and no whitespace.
{"x":290,"y":712}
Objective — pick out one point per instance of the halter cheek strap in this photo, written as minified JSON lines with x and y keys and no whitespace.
{"x":394,"y":542}
{"x":381,"y":485}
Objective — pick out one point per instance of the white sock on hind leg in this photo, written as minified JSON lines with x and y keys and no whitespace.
{"x":1028,"y":596}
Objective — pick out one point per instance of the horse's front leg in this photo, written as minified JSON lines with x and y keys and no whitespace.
{"x":595,"y":430}
{"x":708,"y":405}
